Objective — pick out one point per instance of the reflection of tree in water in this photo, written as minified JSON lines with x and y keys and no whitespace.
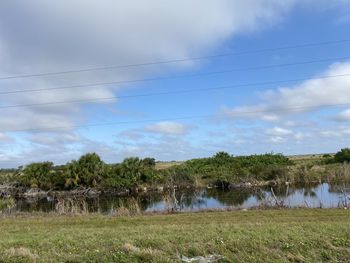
{"x":234,"y":197}
{"x":276,"y":195}
{"x":183,"y":199}
{"x":283,"y":191}
{"x":310,"y":192}
{"x":147,"y":200}
{"x":191,"y":199}
{"x":108,"y":203}
{"x":144,"y":201}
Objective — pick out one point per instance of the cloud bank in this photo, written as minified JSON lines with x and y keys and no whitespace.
{"x":310,"y":95}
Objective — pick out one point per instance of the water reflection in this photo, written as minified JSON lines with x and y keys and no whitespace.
{"x":322,"y":195}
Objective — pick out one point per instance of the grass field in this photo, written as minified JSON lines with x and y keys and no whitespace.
{"x":242,"y":236}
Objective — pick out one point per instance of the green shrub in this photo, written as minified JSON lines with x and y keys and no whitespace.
{"x":38,"y":175}
{"x":223,"y":167}
{"x":132,"y":172}
{"x":88,"y":171}
{"x":342,"y":156}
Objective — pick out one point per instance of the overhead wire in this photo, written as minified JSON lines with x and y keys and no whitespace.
{"x":103,"y":68}
{"x":174,"y":92}
{"x":178,"y":76}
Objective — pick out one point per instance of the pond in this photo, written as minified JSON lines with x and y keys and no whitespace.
{"x":318,"y":196}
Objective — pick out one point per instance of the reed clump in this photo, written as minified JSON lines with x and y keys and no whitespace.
{"x":128,"y":207}
{"x":71,"y":206}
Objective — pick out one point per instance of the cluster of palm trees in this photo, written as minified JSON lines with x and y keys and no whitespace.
{"x":88,"y":171}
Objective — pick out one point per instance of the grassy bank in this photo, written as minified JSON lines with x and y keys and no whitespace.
{"x":245,"y":236}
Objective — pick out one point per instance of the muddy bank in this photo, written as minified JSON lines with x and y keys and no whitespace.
{"x":35,"y":193}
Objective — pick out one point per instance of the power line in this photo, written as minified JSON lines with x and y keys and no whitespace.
{"x":315,"y":44}
{"x":182,"y":91}
{"x":237,"y":114}
{"x":178,"y":76}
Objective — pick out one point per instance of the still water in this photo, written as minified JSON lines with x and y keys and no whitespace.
{"x":318,"y":196}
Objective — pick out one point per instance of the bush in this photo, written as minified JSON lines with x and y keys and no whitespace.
{"x":41,"y":175}
{"x":223,"y":167}
{"x":132,"y":172}
{"x":88,"y":171}
{"x":342,"y":156}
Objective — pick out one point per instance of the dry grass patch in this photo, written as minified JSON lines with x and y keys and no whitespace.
{"x":21,"y":252}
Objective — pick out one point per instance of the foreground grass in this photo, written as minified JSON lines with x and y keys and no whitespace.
{"x":245,"y":236}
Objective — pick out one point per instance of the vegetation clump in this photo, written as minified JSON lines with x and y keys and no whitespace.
{"x":223,"y":167}
{"x":343,"y":156}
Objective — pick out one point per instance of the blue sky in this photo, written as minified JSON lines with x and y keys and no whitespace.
{"x":69,"y":35}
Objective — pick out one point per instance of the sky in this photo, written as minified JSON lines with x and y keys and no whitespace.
{"x":172,"y":80}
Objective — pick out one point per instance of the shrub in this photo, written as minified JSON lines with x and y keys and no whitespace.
{"x":41,"y":175}
{"x":88,"y":171}
{"x":342,"y":156}
{"x":132,"y":172}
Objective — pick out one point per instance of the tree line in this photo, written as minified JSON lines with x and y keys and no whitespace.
{"x":91,"y":171}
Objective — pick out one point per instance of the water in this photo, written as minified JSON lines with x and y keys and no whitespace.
{"x":319,"y":196}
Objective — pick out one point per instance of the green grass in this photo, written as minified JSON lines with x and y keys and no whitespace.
{"x":242,"y":236}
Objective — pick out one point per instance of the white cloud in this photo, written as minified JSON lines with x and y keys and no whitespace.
{"x":56,"y":140}
{"x":168,"y":127}
{"x":304,"y":98}
{"x":277,"y":139}
{"x":344,"y":115}
{"x":280,"y":135}
{"x":317,"y":92}
{"x":278,"y":131}
{"x":339,"y":132}
{"x":308,"y":96}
